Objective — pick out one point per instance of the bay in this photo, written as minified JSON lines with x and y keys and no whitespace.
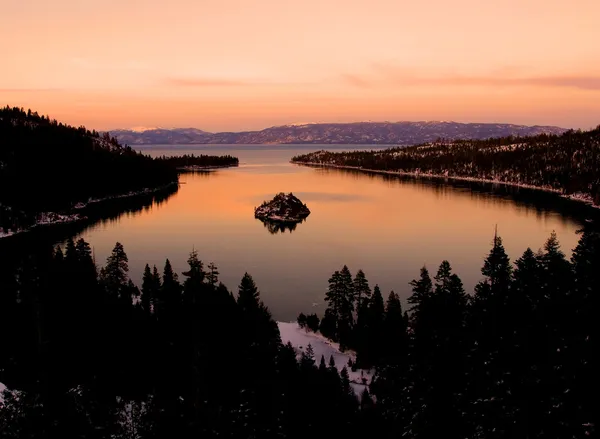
{"x":387,"y":226}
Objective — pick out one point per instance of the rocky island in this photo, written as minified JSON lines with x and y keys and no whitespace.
{"x":284,"y":208}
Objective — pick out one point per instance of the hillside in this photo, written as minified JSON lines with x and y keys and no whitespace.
{"x":567,"y":163}
{"x":49,"y":166}
{"x":365,"y":133}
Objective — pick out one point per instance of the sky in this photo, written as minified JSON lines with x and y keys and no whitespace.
{"x":231,"y":65}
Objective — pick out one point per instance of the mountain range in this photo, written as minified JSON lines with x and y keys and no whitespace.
{"x":363,"y":133}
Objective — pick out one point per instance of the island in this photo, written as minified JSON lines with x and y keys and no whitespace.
{"x":284,"y":208}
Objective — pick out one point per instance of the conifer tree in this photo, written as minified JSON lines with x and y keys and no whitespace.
{"x":147,"y":288}
{"x":328,"y":326}
{"x":395,"y":335}
{"x":322,"y":365}
{"x":193,"y":285}
{"x":498,"y":270}
{"x":526,"y":279}
{"x":307,"y":360}
{"x":156,"y":287}
{"x":331,"y":362}
{"x":375,"y":325}
{"x":361,"y":288}
{"x":345,"y":377}
{"x":212,"y":276}
{"x":170,"y":292}
{"x":248,"y":295}
{"x":115,"y":275}
{"x":70,"y":251}
{"x":421,"y":295}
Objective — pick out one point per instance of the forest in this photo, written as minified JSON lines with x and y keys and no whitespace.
{"x":566,"y":163}
{"x":191,"y":161}
{"x":47,"y":166}
{"x":88,"y":354}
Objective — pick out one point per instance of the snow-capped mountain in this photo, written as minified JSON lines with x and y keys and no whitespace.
{"x":365,"y":133}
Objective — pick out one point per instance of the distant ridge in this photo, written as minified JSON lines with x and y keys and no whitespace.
{"x":358,"y":133}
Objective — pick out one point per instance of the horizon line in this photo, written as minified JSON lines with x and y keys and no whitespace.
{"x":133,"y":129}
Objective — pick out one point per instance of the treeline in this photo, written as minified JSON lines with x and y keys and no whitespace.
{"x":513,"y":360}
{"x":199,"y":161}
{"x":46,"y":165}
{"x":567,"y":163}
{"x":88,"y":354}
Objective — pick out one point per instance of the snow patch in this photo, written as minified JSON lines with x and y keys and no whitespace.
{"x":301,"y":338}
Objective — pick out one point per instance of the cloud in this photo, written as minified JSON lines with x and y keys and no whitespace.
{"x":208,"y":82}
{"x":389,"y":75}
{"x":28,"y":90}
{"x":356,"y":80}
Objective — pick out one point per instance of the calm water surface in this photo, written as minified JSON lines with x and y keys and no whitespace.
{"x":388,"y":227}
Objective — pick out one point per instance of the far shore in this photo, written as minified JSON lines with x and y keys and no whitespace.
{"x":579,"y":197}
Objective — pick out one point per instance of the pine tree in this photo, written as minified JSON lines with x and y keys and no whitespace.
{"x":333,"y":295}
{"x":328,"y":326}
{"x":361,"y":288}
{"x":422,"y":292}
{"x":331,"y":362}
{"x":156,"y":287}
{"x":115,"y":275}
{"x":375,"y":325}
{"x":307,"y":359}
{"x":526,"y":279}
{"x":193,"y":285}
{"x":345,"y":377}
{"x":147,"y":288}
{"x":169,"y":295}
{"x":497,"y":269}
{"x":395,"y":335}
{"x":322,"y":365}
{"x":70,"y":251}
{"x":451,"y":298}
{"x":348,"y":295}
{"x":248,"y":295}
{"x":213,"y":275}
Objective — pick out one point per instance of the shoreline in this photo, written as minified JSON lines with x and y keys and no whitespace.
{"x":71,"y":216}
{"x":193,"y":168}
{"x":578,"y":196}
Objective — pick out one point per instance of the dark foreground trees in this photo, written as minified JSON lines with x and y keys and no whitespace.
{"x":88,"y":354}
{"x":512,"y":360}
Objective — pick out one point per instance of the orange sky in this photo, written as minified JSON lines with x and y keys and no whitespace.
{"x":249,"y":64}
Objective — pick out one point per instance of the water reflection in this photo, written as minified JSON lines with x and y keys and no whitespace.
{"x":276,"y":227}
{"x":530,"y":202}
{"x":103,"y":214}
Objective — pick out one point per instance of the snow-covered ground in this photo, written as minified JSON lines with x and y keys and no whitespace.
{"x":44,"y":219}
{"x":2,"y":389}
{"x":48,"y":218}
{"x":301,"y":338}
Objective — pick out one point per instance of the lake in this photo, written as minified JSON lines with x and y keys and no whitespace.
{"x":389,"y":227}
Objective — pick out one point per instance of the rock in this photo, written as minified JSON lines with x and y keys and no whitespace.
{"x":284,"y":208}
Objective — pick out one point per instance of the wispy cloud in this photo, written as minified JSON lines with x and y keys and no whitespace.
{"x":209,"y":82}
{"x":357,"y":80}
{"x":384,"y":75}
{"x":28,"y":90}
